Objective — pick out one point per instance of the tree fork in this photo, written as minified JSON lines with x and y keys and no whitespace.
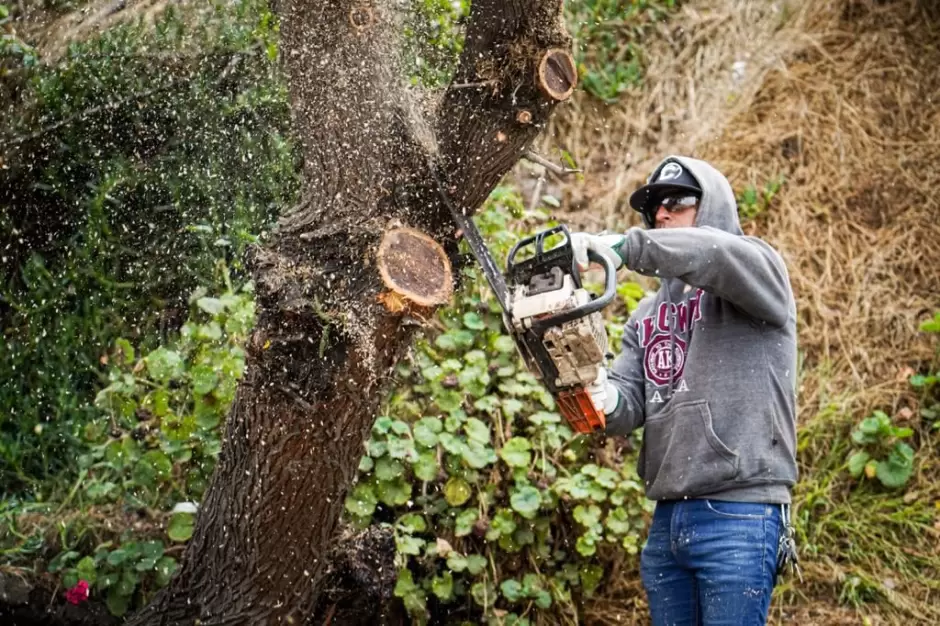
{"x":327,"y":339}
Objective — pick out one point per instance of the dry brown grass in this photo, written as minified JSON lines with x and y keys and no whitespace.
{"x":840,"y":96}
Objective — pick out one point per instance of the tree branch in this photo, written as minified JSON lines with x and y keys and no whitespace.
{"x":560,"y":170}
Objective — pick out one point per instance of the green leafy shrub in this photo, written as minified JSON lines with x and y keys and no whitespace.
{"x":434,"y":40}
{"x":884,"y":454}
{"x":120,"y":573}
{"x":608,"y":41}
{"x":608,"y":36}
{"x":130,"y":167}
{"x":927,"y":383}
{"x":155,"y":446}
{"x":752,"y":201}
{"x":498,"y":509}
{"x":159,"y":438}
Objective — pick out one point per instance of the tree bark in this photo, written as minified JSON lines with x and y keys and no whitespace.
{"x":326,"y":338}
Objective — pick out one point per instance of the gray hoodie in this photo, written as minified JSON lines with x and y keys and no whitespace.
{"x":708,"y":366}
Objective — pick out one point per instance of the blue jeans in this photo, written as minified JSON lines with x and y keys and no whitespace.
{"x":711,"y":562}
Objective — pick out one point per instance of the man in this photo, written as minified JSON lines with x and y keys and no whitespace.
{"x":708,"y":369}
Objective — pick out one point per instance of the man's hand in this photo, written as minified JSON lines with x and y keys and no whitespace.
{"x":603,"y":393}
{"x":606,"y":245}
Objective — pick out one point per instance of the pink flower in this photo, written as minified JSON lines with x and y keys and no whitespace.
{"x":78,"y":593}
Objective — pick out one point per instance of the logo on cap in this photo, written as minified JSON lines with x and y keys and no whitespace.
{"x":670,"y":171}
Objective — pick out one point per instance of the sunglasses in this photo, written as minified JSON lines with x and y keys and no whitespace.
{"x":676,"y":203}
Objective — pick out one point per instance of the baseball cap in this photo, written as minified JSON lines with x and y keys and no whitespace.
{"x":672,"y":178}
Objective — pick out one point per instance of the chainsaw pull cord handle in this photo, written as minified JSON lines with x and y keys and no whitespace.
{"x":610,"y":290}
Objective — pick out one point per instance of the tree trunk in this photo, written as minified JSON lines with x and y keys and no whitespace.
{"x":328,"y":331}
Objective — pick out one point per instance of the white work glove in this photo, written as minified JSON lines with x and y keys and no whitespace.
{"x":606,"y":245}
{"x":603,"y":393}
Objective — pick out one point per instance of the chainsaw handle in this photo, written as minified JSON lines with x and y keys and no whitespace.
{"x":610,"y":290}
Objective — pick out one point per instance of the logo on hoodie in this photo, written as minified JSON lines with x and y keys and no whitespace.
{"x":669,"y":326}
{"x":662,"y":364}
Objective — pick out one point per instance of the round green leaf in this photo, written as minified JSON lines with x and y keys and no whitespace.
{"x":361,"y":500}
{"x":443,"y":586}
{"x":393,"y":492}
{"x":525,"y":501}
{"x":477,"y":430}
{"x":473,"y":321}
{"x":463,"y":524}
{"x":426,"y":431}
{"x":516,"y":452}
{"x":388,"y":469}
{"x":181,"y":527}
{"x":457,"y":491}
{"x":511,"y":589}
{"x":425,"y":467}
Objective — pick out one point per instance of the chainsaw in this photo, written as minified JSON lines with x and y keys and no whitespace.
{"x":555,"y":322}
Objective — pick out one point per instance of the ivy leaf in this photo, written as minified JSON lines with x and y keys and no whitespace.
{"x":366,"y":464}
{"x":511,"y":590}
{"x":400,"y":448}
{"x":212,"y":306}
{"x":587,"y":516}
{"x":453,"y":444}
{"x":607,"y":478}
{"x":117,"y":602}
{"x":457,"y":491}
{"x":484,"y":594}
{"x":456,"y":562}
{"x":180,"y":528}
{"x":586,"y":544}
{"x":543,"y":418}
{"x":463,"y":524}
{"x":504,"y":344}
{"x":590,"y":576}
{"x":448,"y":400}
{"x":511,"y":406}
{"x":516,"y":452}
{"x":382,"y":425}
{"x":503,"y":524}
{"x":525,"y":501}
{"x":477,"y":431}
{"x":487,"y":404}
{"x":543,"y":599}
{"x":443,"y":586}
{"x":412,"y":596}
{"x":412,"y":523}
{"x":477,"y":455}
{"x":857,"y":463}
{"x":896,"y":471}
{"x":425,"y":467}
{"x":205,"y":378}
{"x":165,"y":568}
{"x":388,"y":469}
{"x":426,"y":430}
{"x":376,"y":448}
{"x":400,"y":428}
{"x":361,"y":501}
{"x":618,"y":521}
{"x":475,"y":564}
{"x":86,"y":570}
{"x":406,"y":544}
{"x":164,"y":364}
{"x":473,"y":321}
{"x":393,"y":492}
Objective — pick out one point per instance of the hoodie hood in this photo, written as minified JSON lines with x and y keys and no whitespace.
{"x":718,"y":207}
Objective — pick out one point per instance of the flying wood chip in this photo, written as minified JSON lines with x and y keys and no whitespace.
{"x":414,"y":267}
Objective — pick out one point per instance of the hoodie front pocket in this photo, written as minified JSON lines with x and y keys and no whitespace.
{"x":683,"y":455}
